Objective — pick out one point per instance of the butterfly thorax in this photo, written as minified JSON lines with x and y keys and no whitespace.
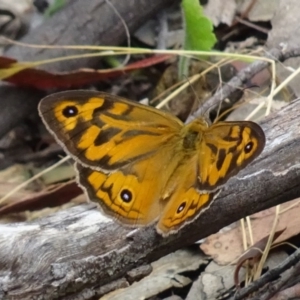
{"x":192,"y":133}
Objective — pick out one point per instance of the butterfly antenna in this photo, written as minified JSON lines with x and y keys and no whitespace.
{"x":127,"y":32}
{"x":208,"y":109}
{"x":192,"y":88}
{"x":234,"y":106}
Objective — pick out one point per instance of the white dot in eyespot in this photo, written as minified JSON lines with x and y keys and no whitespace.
{"x":126,"y":195}
{"x":248,"y":148}
{"x":70,"y":111}
{"x":181,"y":207}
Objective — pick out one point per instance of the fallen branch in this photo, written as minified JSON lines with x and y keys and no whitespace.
{"x":76,"y":253}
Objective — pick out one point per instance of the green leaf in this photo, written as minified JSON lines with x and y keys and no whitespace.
{"x":198,"y":28}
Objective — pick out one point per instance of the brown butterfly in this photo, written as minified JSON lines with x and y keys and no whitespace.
{"x":144,"y":165}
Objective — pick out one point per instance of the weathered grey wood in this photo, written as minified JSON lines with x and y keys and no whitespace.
{"x":75,"y":253}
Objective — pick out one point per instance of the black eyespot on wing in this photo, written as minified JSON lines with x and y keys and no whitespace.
{"x":70,"y":111}
{"x":126,"y":196}
{"x":181,"y":207}
{"x":249,"y":147}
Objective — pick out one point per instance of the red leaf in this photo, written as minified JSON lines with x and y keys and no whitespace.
{"x":53,"y":196}
{"x":41,"y":79}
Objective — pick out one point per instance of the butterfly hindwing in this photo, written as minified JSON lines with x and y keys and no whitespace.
{"x":132,"y":193}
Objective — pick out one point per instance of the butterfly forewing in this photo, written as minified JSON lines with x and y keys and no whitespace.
{"x":106,"y":132}
{"x":226,"y":148}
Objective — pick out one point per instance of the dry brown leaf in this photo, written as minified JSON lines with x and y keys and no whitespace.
{"x":227,"y":246}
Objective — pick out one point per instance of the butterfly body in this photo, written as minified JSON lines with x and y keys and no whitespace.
{"x":143,"y":165}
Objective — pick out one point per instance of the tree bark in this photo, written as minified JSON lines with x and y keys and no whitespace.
{"x":81,"y":22}
{"x":76,"y":253}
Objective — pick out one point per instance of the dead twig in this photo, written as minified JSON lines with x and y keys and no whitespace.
{"x":268,"y":277}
